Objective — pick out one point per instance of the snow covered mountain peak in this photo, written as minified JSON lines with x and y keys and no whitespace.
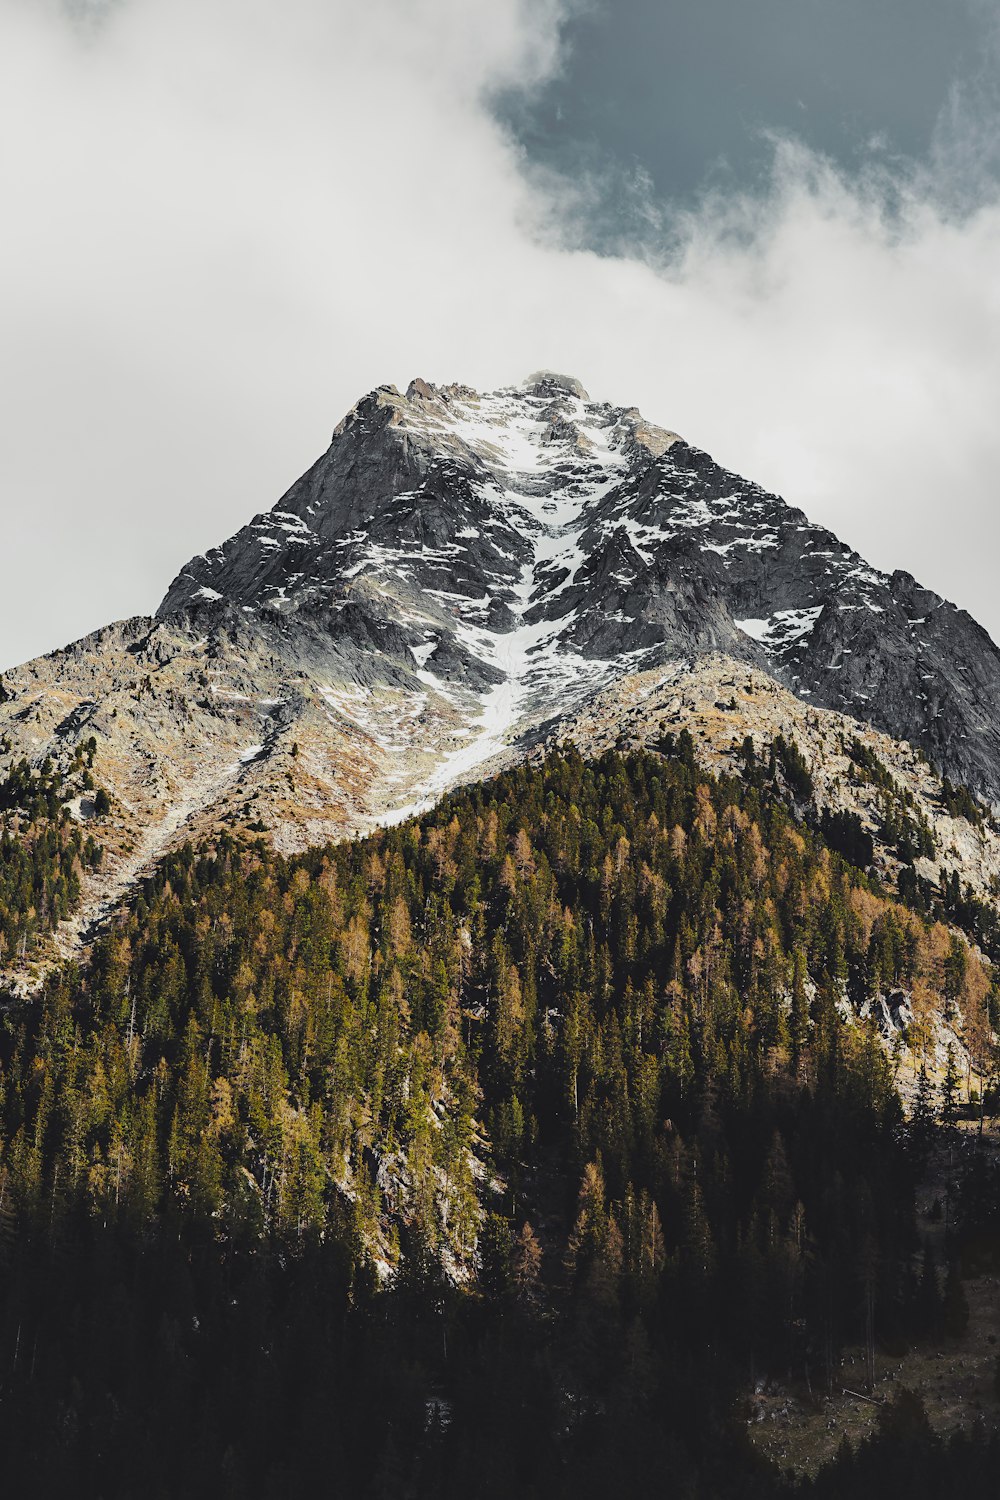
{"x":544,"y":381}
{"x":478,"y":500}
{"x":508,"y":553}
{"x":529,"y":433}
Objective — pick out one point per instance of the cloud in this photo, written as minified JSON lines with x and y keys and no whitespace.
{"x":965,"y":149}
{"x":230,"y":219}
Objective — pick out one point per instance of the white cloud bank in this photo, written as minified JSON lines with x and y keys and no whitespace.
{"x":224,"y":220}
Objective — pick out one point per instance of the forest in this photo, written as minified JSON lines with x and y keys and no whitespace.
{"x":43,"y":852}
{"x":495,"y":1154}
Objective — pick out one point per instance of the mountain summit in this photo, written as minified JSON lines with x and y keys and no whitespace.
{"x":529,"y":545}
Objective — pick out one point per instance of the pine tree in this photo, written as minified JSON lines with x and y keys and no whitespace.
{"x":798,"y":1021}
{"x":923,"y":1118}
{"x":526,"y":1268}
{"x":950,"y":1087}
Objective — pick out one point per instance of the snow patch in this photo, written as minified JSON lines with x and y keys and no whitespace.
{"x":782,"y":628}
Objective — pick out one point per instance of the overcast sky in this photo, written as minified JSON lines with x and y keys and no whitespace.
{"x":774,"y":225}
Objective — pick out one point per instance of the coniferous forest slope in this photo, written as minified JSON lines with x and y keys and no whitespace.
{"x":496,"y":1154}
{"x":44,"y":852}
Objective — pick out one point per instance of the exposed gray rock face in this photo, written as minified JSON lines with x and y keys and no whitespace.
{"x":531,"y":545}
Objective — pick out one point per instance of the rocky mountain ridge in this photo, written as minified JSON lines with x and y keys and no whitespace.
{"x":462,"y":579}
{"x":534,"y":542}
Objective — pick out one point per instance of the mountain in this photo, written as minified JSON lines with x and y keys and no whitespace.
{"x":463,"y":578}
{"x":529,"y":544}
{"x":551,"y":1137}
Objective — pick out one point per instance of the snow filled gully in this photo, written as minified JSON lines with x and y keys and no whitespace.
{"x":534,"y":669}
